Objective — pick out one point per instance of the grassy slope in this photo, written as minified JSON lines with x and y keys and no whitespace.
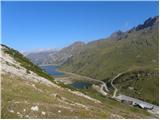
{"x":106,"y":58}
{"x":19,"y":94}
{"x":139,"y":84}
{"x":110,"y":57}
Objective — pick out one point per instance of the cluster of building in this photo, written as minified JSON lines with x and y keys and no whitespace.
{"x":138,"y":103}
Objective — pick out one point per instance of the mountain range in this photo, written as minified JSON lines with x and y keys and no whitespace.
{"x":30,"y":93}
{"x":122,"y":51}
{"x":134,"y":52}
{"x":55,"y":57}
{"x":132,"y":38}
{"x":129,"y":58}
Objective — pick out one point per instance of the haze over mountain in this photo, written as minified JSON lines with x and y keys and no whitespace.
{"x":55,"y":57}
{"x":40,"y":58}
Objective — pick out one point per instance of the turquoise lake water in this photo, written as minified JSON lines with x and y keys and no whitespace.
{"x":52,"y":70}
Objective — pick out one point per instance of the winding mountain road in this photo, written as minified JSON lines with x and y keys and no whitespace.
{"x":103,"y":87}
{"x":115,"y":89}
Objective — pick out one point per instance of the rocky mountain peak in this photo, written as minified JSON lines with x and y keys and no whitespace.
{"x":148,"y":23}
{"x":116,"y":34}
{"x":78,"y":43}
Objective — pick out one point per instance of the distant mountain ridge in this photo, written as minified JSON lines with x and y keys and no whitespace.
{"x":133,"y":43}
{"x":150,"y":22}
{"x":58,"y":57}
{"x":38,"y":51}
{"x":40,"y":58}
{"x":55,"y":57}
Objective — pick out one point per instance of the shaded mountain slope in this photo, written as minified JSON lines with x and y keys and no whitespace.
{"x":40,"y":58}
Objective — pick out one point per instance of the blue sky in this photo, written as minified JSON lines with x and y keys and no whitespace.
{"x":32,"y":25}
